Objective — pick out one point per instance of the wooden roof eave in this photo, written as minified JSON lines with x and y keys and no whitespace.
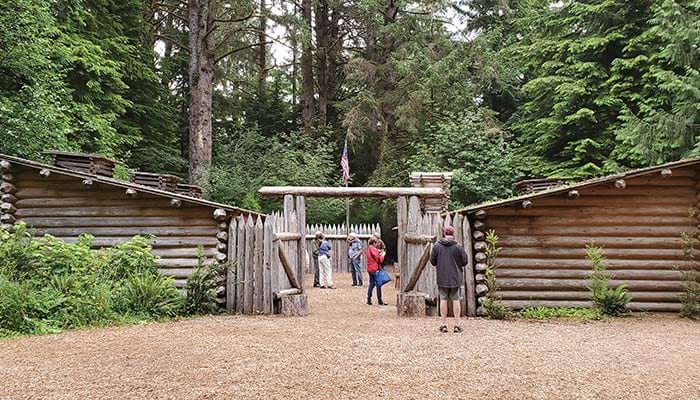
{"x":581,"y":185}
{"x":127,"y":185}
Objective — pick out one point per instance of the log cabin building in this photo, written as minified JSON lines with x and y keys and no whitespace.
{"x":78,"y":195}
{"x":637,"y":217}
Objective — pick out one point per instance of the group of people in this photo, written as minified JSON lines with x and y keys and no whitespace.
{"x":375,"y":253}
{"x":448,"y":256}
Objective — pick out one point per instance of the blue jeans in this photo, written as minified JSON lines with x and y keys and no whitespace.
{"x":356,"y":271}
{"x":372,"y":284}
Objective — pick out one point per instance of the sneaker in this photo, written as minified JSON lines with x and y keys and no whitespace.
{"x":369,"y":302}
{"x":443,"y":328}
{"x":381,"y":303}
{"x":458,"y":329}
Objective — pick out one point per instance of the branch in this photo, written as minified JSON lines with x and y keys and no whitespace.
{"x":247,"y":17}
{"x":172,"y":40}
{"x":228,"y":53}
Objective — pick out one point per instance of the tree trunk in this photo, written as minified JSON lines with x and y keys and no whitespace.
{"x":201,"y":85}
{"x":307,"y":72}
{"x":322,"y":43}
{"x":262,"y":50}
{"x":335,"y":69}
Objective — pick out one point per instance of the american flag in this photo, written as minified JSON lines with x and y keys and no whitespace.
{"x":345,"y":163}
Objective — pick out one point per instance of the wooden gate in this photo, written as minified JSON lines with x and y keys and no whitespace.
{"x":267,"y":257}
{"x":418,"y":231}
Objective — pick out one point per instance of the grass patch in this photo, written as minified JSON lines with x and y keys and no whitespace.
{"x":543,"y":313}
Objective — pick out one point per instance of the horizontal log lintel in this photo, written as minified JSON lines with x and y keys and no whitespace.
{"x":381,"y":192}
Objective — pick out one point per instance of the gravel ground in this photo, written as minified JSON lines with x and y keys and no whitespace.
{"x":347,"y":349}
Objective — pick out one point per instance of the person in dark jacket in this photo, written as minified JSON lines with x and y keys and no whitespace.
{"x":314,"y":256}
{"x":450,"y":258}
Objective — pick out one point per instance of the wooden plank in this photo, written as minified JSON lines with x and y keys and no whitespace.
{"x":231,"y":270}
{"x":560,"y":253}
{"x":129,"y":231}
{"x":112,"y":221}
{"x":259,"y":262}
{"x":573,"y":231}
{"x":99,"y":211}
{"x":183,"y":252}
{"x":401,"y":223}
{"x":248,"y":287}
{"x":583,"y":294}
{"x":268,"y":264}
{"x":288,"y":269}
{"x":568,"y":284}
{"x":415,"y":275}
{"x":301,"y":214}
{"x":240,"y":263}
{"x":496,"y":222}
{"x":469,"y":280}
{"x":673,"y":210}
{"x":608,"y":242}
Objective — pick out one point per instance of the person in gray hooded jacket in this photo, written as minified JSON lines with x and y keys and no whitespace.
{"x":450,"y":258}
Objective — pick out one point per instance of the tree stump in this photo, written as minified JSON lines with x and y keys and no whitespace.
{"x":410,"y":304}
{"x":296,"y":305}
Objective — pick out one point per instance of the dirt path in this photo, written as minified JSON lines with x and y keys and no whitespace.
{"x":347,"y":349}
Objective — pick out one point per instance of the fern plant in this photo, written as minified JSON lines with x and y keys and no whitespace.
{"x":202,"y":285}
{"x":607,"y":300}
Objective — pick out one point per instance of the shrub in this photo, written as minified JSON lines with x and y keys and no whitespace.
{"x":690,"y":298}
{"x":202,"y":285}
{"x":47,"y":285}
{"x":492,"y":304}
{"x":149,"y":296}
{"x":607,"y":300}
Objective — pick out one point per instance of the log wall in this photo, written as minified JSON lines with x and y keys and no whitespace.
{"x":66,"y":207}
{"x":638,"y":223}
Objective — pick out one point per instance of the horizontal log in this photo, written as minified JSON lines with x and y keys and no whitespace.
{"x":582,"y":263}
{"x":480,"y":215}
{"x":7,"y":176}
{"x":220,"y":214}
{"x":480,"y":257}
{"x":5,"y":165}
{"x":179,"y":263}
{"x":68,"y":222}
{"x":7,"y":219}
{"x":179,"y":252}
{"x":480,"y":246}
{"x":659,"y":181}
{"x":222,"y":236}
{"x":675,"y":210}
{"x":567,"y":284}
{"x":602,"y":192}
{"x":481,"y":289}
{"x":583,"y":294}
{"x":7,"y":187}
{"x":625,"y":274}
{"x":8,"y":198}
{"x":480,"y":267}
{"x":632,"y":306}
{"x":8,"y":208}
{"x":117,"y":200}
{"x":131,"y":211}
{"x":288,"y":236}
{"x":479,"y":225}
{"x":611,"y":201}
{"x":607,"y":242}
{"x":382,"y":192}
{"x":129,"y":231}
{"x":165,"y":242}
{"x":286,"y":292}
{"x":579,"y":253}
{"x":496,"y":222}
{"x":178,"y":273}
{"x":418,"y":239}
{"x":573,"y":231}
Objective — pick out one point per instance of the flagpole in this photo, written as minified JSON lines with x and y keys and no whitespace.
{"x":347,"y":200}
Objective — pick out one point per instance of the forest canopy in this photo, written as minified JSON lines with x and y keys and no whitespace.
{"x":237,"y":94}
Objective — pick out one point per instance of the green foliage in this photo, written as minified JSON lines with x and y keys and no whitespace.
{"x":149,"y":296}
{"x":558,"y":312}
{"x":607,"y":300}
{"x":492,"y":304}
{"x":690,"y":299}
{"x":202,"y":284}
{"x":47,"y":285}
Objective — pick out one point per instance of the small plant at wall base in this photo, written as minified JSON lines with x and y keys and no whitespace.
{"x":608,"y":301}
{"x":495,"y":309}
{"x":690,"y":298}
{"x":202,"y":285}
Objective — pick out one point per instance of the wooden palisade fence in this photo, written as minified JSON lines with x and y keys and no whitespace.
{"x":265,"y":275}
{"x":417,"y":231}
{"x":336,"y":235}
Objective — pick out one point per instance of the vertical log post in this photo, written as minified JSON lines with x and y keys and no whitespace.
{"x":222,"y":236}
